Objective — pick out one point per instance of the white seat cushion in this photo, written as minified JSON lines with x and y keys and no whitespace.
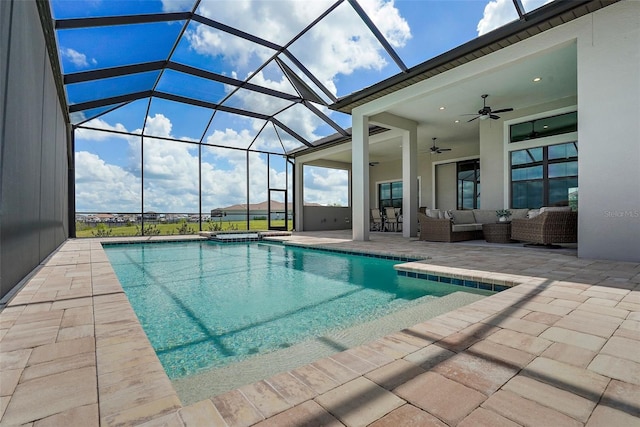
{"x":464,"y":227}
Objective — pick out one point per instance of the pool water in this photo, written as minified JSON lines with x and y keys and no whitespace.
{"x":204,"y":305}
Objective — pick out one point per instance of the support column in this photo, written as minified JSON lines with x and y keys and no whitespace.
{"x":410,"y":182}
{"x":298,"y":197}
{"x":360,"y":176}
{"x":409,"y":130}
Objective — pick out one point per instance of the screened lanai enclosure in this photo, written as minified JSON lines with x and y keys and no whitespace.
{"x":185,"y":113}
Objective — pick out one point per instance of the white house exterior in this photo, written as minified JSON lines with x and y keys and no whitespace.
{"x":600,"y":53}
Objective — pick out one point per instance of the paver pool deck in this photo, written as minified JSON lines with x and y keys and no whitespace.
{"x":560,"y":348}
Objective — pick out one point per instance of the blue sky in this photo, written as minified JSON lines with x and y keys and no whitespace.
{"x":340,"y":51}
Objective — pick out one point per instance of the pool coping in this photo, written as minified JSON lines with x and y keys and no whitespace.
{"x":131,"y":387}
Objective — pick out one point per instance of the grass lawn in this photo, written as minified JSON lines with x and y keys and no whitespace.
{"x":116,"y":230}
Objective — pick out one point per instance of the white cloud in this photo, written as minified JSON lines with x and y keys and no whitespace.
{"x":326,"y":186}
{"x":93,"y":135}
{"x":387,"y":19}
{"x":500,"y":12}
{"x":177,"y":5}
{"x":338,"y":45}
{"x":170,"y":172}
{"x":158,"y":125}
{"x":78,"y":59}
{"x":103,"y":187}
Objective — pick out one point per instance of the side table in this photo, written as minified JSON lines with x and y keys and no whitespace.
{"x":499,"y":232}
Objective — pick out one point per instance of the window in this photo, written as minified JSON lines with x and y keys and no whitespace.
{"x":468,"y":173}
{"x":390,"y":194}
{"x":541,"y":128}
{"x":544,"y":176}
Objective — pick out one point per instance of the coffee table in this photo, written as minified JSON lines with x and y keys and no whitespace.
{"x":499,"y":232}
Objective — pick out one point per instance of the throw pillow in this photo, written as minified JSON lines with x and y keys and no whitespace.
{"x":433,"y":213}
{"x":533,"y":213}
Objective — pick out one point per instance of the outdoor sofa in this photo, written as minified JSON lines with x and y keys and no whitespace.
{"x":458,"y":225}
{"x":551,"y":225}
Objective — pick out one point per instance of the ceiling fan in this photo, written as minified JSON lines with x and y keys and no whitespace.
{"x":486,"y":111}
{"x":437,"y":150}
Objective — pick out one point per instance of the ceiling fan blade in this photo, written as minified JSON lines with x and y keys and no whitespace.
{"x":504,"y":110}
{"x":444,"y":149}
{"x":494,"y":117}
{"x":472,"y":119}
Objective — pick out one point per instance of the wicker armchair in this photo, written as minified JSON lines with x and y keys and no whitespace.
{"x":440,"y":230}
{"x":547,"y":228}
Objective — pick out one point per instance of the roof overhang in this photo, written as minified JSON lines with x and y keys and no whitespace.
{"x":549,"y":16}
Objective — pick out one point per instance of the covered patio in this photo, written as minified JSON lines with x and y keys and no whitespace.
{"x":560,"y":348}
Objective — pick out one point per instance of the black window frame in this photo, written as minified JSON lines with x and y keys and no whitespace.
{"x":396,"y":202}
{"x":545,"y":180}
{"x":476,"y":184}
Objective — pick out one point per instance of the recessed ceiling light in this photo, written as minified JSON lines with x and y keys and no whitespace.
{"x":537,"y":79}
{"x":457,"y":121}
{"x":442,"y":108}
{"x":545,"y":127}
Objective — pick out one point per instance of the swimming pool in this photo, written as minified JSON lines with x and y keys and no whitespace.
{"x":205,"y":305}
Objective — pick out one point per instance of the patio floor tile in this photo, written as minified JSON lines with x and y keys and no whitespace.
{"x":54,"y":394}
{"x":490,"y":350}
{"x":623,"y":396}
{"x":168,"y":420}
{"x":484,"y":418}
{"x":203,"y":413}
{"x":527,"y":412}
{"x":623,"y":347}
{"x":9,"y":379}
{"x":430,"y":356}
{"x":392,"y":375}
{"x":476,"y":372}
{"x":59,"y":365}
{"x":340,"y":373}
{"x":458,"y":341}
{"x":571,"y":354}
{"x":520,"y":341}
{"x":142,"y":413}
{"x":290,"y":388}
{"x":408,"y":415}
{"x":265,"y":398}
{"x":544,"y":318}
{"x":315,"y":379}
{"x":614,"y":367}
{"x":236,"y":410}
{"x":353,"y":362}
{"x":574,"y":338}
{"x":359,"y":402}
{"x":604,"y":416}
{"x":446,"y":399}
{"x":562,"y":401}
{"x":78,"y":416}
{"x":583,"y":382}
{"x":59,"y":350}
{"x":560,"y":304}
{"x":16,"y":359}
{"x":309,"y":414}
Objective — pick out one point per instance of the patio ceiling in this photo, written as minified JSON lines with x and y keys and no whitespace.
{"x":509,"y":85}
{"x":198,"y":56}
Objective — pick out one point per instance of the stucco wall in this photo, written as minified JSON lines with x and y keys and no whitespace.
{"x":317,"y":218}
{"x":609,"y":134}
{"x":34,"y":216}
